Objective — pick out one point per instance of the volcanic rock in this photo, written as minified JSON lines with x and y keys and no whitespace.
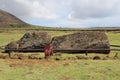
{"x":81,"y":40}
{"x":96,"y":58}
{"x":34,"y":40}
{"x":31,"y":40}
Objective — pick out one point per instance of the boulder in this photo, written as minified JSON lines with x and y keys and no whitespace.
{"x":81,"y":40}
{"x":96,"y":58}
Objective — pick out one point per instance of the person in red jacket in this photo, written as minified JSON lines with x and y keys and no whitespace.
{"x":48,"y":50}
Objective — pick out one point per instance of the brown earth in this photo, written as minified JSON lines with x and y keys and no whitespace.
{"x":31,"y":63}
{"x":8,"y":20}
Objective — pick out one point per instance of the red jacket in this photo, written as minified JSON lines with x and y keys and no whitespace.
{"x":48,"y":50}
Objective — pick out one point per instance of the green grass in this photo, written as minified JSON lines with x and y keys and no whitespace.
{"x":6,"y":38}
{"x":114,"y":38}
{"x":51,"y":70}
{"x":14,"y":69}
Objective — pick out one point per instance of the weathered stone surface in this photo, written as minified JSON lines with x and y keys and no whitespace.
{"x":31,"y":40}
{"x":34,"y":40}
{"x":75,"y":41}
{"x":96,"y":58}
{"x":12,"y":45}
{"x":81,"y":40}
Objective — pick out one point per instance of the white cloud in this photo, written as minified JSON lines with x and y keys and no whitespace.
{"x":65,"y":12}
{"x":29,"y":8}
{"x":82,"y":9}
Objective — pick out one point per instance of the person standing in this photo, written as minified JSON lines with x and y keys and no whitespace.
{"x":48,"y":50}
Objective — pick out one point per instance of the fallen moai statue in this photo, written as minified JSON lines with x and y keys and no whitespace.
{"x":95,"y":42}
{"x":86,"y":40}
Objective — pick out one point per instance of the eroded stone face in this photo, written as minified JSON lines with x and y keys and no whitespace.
{"x":34,"y":40}
{"x":82,"y":40}
{"x":31,"y":40}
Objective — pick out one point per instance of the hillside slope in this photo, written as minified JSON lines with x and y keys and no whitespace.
{"x":8,"y":20}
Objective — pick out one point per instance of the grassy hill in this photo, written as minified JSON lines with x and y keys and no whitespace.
{"x":8,"y":20}
{"x":11,"y":22}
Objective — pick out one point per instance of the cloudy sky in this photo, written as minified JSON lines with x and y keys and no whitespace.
{"x":65,"y":13}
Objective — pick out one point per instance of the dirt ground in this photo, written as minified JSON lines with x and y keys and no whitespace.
{"x":67,"y":67}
